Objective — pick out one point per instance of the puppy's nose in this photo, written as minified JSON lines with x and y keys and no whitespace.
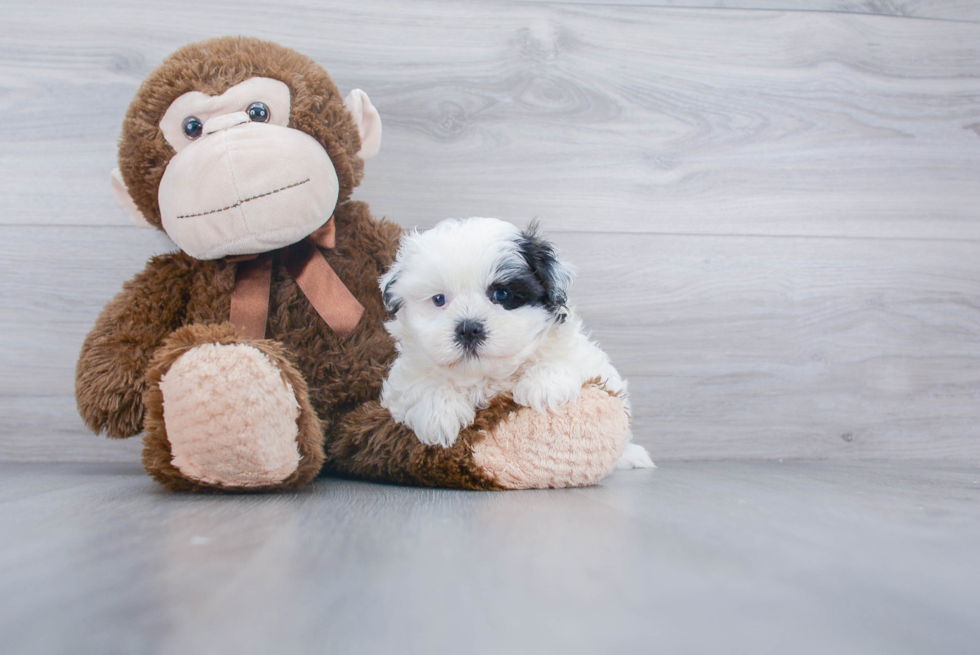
{"x":470,"y":333}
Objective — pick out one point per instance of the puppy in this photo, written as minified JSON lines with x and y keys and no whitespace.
{"x":479,"y":310}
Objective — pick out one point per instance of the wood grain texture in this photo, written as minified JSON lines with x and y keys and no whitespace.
{"x":956,"y":10}
{"x":735,"y":347}
{"x":48,"y":429}
{"x":870,"y":558}
{"x":596,"y":117}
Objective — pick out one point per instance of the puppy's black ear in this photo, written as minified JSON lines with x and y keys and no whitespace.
{"x":393,"y":302}
{"x":553,"y":274}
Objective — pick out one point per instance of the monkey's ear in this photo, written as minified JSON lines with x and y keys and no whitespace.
{"x":368,"y":122}
{"x":121,"y":194}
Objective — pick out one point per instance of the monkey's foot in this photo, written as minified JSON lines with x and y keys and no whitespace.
{"x":228,"y":414}
{"x":507,"y":447}
{"x":574,"y":445}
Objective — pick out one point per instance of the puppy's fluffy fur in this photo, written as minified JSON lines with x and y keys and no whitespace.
{"x":480,"y":309}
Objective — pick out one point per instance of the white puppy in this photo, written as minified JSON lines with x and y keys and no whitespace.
{"x":480,"y":309}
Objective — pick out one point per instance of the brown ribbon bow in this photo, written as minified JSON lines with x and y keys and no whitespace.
{"x":313,"y":274}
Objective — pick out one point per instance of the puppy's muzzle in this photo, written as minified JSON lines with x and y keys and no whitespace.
{"x":470,"y":334}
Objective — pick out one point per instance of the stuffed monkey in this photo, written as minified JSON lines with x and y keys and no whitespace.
{"x":252,"y":358}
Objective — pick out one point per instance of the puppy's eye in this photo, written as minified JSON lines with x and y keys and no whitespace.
{"x":193,"y":127}
{"x":502,"y":296}
{"x":258,"y":112}
{"x":438,"y":300}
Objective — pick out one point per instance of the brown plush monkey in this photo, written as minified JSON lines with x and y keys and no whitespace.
{"x":253,"y":357}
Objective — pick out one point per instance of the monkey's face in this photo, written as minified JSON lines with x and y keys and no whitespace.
{"x":236,"y":146}
{"x":242,"y":181}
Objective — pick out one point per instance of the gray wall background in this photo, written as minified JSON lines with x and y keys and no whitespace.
{"x":772,"y":205}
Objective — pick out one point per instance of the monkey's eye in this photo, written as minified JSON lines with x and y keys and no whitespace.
{"x":439,"y":300}
{"x":193,"y":127}
{"x":258,"y":112}
{"x":502,"y":296}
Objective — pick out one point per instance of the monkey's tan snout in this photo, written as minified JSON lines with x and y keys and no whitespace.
{"x":246,"y":188}
{"x":225,"y":121}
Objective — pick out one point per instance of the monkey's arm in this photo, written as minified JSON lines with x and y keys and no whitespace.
{"x":109,"y":377}
{"x":368,"y":444}
{"x":506,"y":447}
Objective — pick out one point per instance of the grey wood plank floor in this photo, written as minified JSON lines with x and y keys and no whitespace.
{"x":593,"y":117}
{"x":958,"y":10}
{"x":694,"y":557}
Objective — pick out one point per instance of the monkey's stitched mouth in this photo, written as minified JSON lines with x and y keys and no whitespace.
{"x":242,"y":202}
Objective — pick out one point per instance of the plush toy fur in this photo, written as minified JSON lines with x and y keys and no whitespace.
{"x":318,"y":390}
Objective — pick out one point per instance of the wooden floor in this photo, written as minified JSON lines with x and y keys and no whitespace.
{"x":694,"y":557}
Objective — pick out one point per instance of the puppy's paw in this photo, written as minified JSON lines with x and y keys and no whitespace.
{"x":547,"y":387}
{"x":437,"y":421}
{"x":635,"y":456}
